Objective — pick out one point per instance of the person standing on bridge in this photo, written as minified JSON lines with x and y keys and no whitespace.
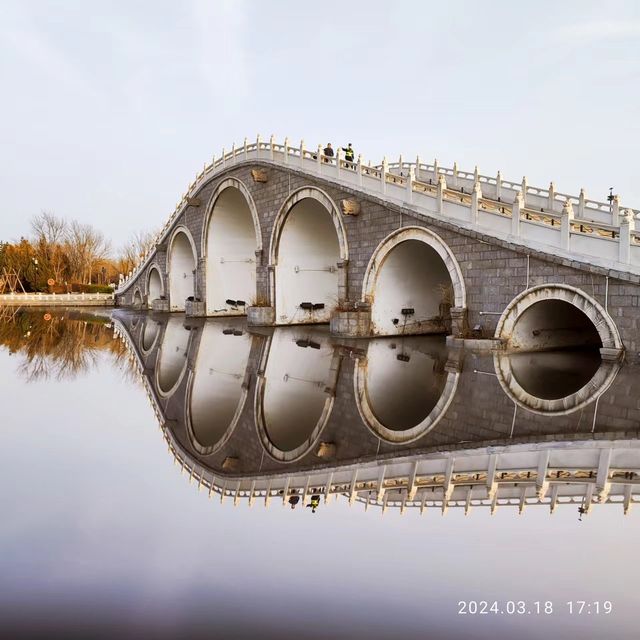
{"x":315,"y":503}
{"x":328,"y":151}
{"x":349,"y":153}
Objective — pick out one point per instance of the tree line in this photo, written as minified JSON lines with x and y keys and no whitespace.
{"x":72,"y":255}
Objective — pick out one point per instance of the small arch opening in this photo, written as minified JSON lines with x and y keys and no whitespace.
{"x":231,"y":246}
{"x":182,"y":266}
{"x":306,"y":274}
{"x":553,"y":324}
{"x":155,"y":287}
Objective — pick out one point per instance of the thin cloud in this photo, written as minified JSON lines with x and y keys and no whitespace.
{"x":222,"y":29}
{"x":598,"y":30}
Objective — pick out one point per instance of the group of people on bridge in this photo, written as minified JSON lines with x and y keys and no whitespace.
{"x":314,"y":503}
{"x":349,"y":153}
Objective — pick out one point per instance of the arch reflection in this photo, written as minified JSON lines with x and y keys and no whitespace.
{"x":150,"y":334}
{"x":294,"y":397}
{"x":172,"y":359}
{"x":218,"y":388}
{"x":555,"y":382}
{"x":402,"y":387}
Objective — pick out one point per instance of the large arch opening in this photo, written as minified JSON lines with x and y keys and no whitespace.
{"x":402,"y":388}
{"x":307,"y":247}
{"x":295,"y":396}
{"x":181,"y":270}
{"x":231,"y":243}
{"x":218,"y":388}
{"x":172,"y":358}
{"x":411,"y":283}
{"x":154,"y":288}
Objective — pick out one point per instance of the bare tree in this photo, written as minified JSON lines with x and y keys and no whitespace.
{"x":136,"y":248}
{"x":84,"y":245}
{"x":49,"y":234}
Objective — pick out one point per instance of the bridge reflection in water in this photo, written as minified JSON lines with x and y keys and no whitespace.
{"x":392,"y":422}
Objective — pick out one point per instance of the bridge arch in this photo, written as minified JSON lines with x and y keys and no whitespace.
{"x":217,"y":387}
{"x":155,"y":284}
{"x":554,"y":316}
{"x":294,"y":397}
{"x":137,"y":298}
{"x":411,"y":282}
{"x":402,"y":389}
{"x":231,"y":236}
{"x":308,"y":247}
{"x":181,"y":268}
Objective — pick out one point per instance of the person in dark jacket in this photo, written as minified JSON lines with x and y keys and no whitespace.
{"x":328,"y":151}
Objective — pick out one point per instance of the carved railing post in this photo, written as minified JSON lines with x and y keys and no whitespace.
{"x":286,"y":150}
{"x":359,"y":169}
{"x":418,"y":168}
{"x":301,"y":152}
{"x":338,"y":158}
{"x":476,"y":175}
{"x":518,"y":205}
{"x":258,"y":143}
{"x":454,"y":178}
{"x":476,"y":194}
{"x":442,"y":185}
{"x":581,"y":199}
{"x":523,"y":191}
{"x":498,"y":186}
{"x":552,"y":196}
{"x":383,"y":176}
{"x":627,"y":226}
{"x":615,"y":211}
{"x":565,"y":228}
{"x":271,"y":150}
{"x":436,"y":171}
{"x":319,"y":158}
{"x":246,"y":152}
{"x":411,"y":176}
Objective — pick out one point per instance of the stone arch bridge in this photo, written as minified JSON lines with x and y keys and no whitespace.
{"x":288,"y":236}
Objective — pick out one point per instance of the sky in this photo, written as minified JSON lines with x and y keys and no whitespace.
{"x":99,"y":528}
{"x":109,"y":109}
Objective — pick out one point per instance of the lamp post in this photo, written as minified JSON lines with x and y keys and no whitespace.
{"x":35,"y":264}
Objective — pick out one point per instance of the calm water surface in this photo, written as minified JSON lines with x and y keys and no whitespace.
{"x":133,"y":445}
